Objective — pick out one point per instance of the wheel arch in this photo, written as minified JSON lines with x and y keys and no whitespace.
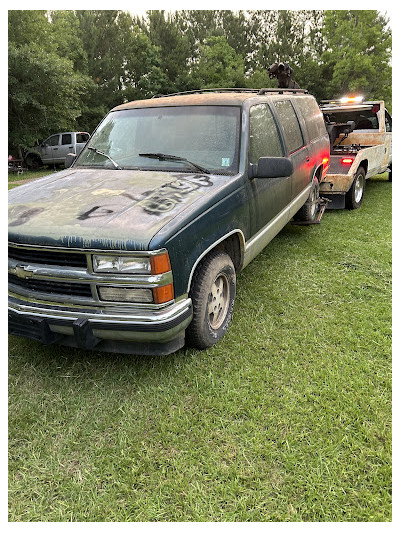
{"x":364,"y":165}
{"x":233,"y":243}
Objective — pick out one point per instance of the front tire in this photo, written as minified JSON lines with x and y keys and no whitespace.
{"x":213,"y":294}
{"x":355,"y":195}
{"x":33,"y":162}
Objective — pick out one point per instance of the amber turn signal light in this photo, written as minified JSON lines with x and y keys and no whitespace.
{"x":163,"y":294}
{"x":160,"y":263}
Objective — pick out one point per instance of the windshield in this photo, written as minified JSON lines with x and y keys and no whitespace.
{"x":207,"y":136}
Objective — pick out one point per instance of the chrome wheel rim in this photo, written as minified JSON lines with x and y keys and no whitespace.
{"x":218,"y":301}
{"x":358,"y":188}
{"x":314,"y":203}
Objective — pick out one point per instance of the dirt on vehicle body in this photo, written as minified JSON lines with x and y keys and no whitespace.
{"x":361,"y":147}
{"x":136,"y":246}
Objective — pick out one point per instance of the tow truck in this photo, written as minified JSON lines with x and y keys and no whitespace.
{"x":360,"y":136}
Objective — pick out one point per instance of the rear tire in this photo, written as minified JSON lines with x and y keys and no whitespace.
{"x":213,"y":294}
{"x":355,"y":195}
{"x":309,"y":211}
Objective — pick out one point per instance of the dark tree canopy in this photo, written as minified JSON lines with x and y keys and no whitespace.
{"x":68,"y":68}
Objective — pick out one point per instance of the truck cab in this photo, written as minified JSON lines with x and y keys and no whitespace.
{"x":54,"y":150}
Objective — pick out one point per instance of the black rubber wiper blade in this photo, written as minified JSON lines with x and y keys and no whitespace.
{"x":168,"y":157}
{"x":97,"y":151}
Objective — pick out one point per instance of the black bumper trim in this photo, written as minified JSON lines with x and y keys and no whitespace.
{"x":37,"y":328}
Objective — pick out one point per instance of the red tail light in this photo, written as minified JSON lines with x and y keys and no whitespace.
{"x":347,"y":161}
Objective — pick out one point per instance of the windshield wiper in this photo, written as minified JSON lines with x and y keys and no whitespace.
{"x":97,"y":151}
{"x":167,"y":157}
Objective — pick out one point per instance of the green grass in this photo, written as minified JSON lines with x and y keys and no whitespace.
{"x":29,"y":174}
{"x":288,"y":418}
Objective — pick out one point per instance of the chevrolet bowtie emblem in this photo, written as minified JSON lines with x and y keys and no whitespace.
{"x":23,"y":272}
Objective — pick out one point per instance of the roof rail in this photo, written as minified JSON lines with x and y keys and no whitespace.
{"x":215,"y":90}
{"x":282,"y":91}
{"x":235,"y":89}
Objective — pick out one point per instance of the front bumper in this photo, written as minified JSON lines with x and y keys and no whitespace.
{"x":143,"y":331}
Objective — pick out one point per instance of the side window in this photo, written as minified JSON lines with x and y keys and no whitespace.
{"x":290,"y":125}
{"x":82,"y":137}
{"x":264,"y":136}
{"x":312,"y":115}
{"x":66,"y":138}
{"x":53,"y":140}
{"x":388,"y":121}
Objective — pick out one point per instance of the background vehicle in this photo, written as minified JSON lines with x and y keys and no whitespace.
{"x":361,"y":147}
{"x":55,"y":148}
{"x":136,"y":246}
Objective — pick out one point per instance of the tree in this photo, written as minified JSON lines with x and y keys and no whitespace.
{"x":219,"y":65}
{"x":44,"y":94}
{"x":357,"y":54}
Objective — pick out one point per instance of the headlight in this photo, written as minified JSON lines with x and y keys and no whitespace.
{"x":121,"y":264}
{"x":123,"y":294}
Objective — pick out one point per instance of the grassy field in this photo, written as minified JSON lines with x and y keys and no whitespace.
{"x":288,"y":418}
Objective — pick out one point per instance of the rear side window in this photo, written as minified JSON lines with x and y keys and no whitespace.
{"x":312,"y":116}
{"x":264,"y":136}
{"x":290,"y":125}
{"x":82,"y":137}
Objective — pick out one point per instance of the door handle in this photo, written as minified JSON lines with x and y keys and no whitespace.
{"x":55,"y":148}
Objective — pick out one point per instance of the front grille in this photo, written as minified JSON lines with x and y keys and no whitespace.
{"x":47,"y":257}
{"x":53,"y":287}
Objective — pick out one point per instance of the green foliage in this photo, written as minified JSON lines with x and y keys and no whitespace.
{"x":357,"y":54}
{"x":107,"y":57}
{"x":44,"y":94}
{"x":219,"y":65}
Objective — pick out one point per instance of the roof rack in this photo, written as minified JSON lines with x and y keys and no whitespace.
{"x":239,"y":90}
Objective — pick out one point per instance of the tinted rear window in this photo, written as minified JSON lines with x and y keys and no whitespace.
{"x":290,"y":125}
{"x":312,"y":115}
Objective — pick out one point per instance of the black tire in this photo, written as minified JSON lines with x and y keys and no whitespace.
{"x":390,"y":172}
{"x":213,"y":294}
{"x":309,"y":211}
{"x":33,"y":162}
{"x":355,"y":194}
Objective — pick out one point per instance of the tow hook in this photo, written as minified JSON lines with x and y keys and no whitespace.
{"x":321,"y":206}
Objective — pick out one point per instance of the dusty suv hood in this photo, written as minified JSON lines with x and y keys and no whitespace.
{"x":110,"y":209}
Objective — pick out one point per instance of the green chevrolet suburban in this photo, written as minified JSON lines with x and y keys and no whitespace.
{"x":136,"y":246}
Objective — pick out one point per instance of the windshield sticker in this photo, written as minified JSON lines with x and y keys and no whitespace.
{"x":225,"y":162}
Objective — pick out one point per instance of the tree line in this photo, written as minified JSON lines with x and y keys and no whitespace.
{"x":68,"y":68}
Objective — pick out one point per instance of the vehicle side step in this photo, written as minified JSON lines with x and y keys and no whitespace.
{"x":322,"y":204}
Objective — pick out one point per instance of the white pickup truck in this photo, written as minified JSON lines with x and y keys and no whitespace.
{"x":361,"y":146}
{"x":55,"y":148}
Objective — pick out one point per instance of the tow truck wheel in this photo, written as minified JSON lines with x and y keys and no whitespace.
{"x":355,"y":195}
{"x":309,"y":211}
{"x":213,"y":293}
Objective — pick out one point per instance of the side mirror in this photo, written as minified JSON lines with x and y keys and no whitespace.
{"x":274,"y":167}
{"x":70,"y":158}
{"x":43,"y":145}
